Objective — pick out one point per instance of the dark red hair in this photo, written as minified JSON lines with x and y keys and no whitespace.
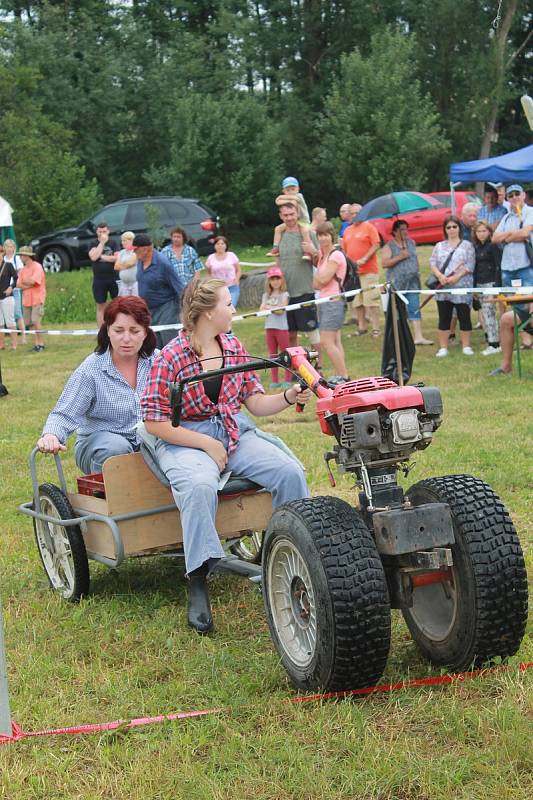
{"x":134,"y":307}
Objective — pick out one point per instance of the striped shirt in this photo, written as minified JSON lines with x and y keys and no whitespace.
{"x":97,"y":397}
{"x":491,"y":216}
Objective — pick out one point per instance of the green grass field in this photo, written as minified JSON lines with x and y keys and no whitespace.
{"x":126,"y":650}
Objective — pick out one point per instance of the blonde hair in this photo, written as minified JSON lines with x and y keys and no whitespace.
{"x":269,"y":289}
{"x":128,"y":235}
{"x":201,"y":295}
{"x":9,"y":241}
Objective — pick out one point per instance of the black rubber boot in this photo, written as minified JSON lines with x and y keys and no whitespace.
{"x":199,"y":609}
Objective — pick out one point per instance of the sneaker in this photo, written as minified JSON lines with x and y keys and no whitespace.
{"x":442,"y":352}
{"x":498,"y":371}
{"x":490,"y":350}
{"x":274,"y":253}
{"x":467,"y":351}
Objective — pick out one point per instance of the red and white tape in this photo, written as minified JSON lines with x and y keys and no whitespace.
{"x":101,"y":727}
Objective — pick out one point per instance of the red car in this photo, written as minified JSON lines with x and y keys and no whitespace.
{"x":425,"y":226}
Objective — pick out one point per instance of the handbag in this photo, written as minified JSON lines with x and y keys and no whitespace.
{"x":433,"y":282}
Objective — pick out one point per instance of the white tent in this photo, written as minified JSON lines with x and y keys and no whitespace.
{"x":6,"y":219}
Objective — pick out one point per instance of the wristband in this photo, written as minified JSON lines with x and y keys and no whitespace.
{"x":286,"y":399}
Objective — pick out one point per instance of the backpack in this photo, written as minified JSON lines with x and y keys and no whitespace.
{"x":351,"y":279}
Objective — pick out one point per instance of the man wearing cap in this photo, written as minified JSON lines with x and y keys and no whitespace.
{"x":513,"y":233}
{"x":160,"y":286}
{"x":31,"y":279}
{"x":298,"y":273}
{"x":103,"y":254}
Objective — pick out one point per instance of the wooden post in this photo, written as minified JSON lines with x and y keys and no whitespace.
{"x":5,"y":714}
{"x":399,"y":365}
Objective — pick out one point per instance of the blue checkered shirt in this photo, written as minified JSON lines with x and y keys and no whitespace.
{"x":97,"y":397}
{"x":491,"y":216}
{"x":187,"y":264}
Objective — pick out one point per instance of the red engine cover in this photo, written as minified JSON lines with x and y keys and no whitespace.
{"x":367,"y":394}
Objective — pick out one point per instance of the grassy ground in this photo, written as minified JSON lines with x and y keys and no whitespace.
{"x":126,"y":650}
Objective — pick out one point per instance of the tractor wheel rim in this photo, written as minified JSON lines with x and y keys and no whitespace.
{"x":435,"y":609}
{"x":292,"y":601}
{"x":55,"y":550}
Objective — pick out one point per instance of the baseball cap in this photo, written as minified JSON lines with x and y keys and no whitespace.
{"x":274,"y":272}
{"x":289,"y":181}
{"x":514,"y":187}
{"x":142,"y":240}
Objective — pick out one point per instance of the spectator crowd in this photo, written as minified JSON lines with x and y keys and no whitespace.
{"x":489,"y":245}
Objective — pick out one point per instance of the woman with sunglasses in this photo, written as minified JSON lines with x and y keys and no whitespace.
{"x":452,"y":262}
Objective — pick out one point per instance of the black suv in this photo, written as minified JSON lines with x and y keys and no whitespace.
{"x":69,"y":248}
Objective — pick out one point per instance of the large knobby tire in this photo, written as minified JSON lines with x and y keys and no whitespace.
{"x":61,"y":547}
{"x":325,"y":595}
{"x":481,"y":612}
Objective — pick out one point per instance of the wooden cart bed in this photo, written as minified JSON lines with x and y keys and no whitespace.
{"x":131,"y":487}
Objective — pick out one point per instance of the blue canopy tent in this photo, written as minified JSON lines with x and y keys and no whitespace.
{"x":515,"y":167}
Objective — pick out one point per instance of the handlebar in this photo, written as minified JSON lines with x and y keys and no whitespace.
{"x":295,"y":359}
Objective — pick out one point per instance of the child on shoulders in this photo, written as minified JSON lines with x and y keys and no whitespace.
{"x":291,"y":194}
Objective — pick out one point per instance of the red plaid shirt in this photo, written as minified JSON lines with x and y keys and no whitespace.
{"x":177,"y":360}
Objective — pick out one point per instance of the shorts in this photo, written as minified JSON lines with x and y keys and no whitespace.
{"x":368,"y":299}
{"x":331,"y":315}
{"x":7,"y":312}
{"x":102,"y":286}
{"x":302,"y":319}
{"x":522,"y":314}
{"x":33,"y":315}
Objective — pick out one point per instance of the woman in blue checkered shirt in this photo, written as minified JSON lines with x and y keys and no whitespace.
{"x":101,"y":399}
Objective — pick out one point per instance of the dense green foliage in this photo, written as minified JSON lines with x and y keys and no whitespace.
{"x":220,"y":99}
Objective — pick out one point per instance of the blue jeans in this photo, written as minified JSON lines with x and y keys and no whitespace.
{"x":234,"y":291}
{"x":525,"y":275}
{"x":194,"y":478}
{"x":413,"y":306}
{"x":92,"y":450}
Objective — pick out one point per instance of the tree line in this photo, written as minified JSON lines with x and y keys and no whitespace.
{"x":102,"y":99}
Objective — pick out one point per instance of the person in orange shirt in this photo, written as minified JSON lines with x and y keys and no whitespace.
{"x":360,"y":242}
{"x":32,"y":281}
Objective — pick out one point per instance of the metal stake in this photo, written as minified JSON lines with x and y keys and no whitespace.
{"x":399,"y":365}
{"x":5,"y":714}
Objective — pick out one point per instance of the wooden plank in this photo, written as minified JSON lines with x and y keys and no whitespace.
{"x":131,"y":486}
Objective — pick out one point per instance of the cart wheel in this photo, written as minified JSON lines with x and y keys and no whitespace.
{"x":481,"y":611}
{"x":249,"y":547}
{"x":326,"y":595}
{"x":61,"y":548}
